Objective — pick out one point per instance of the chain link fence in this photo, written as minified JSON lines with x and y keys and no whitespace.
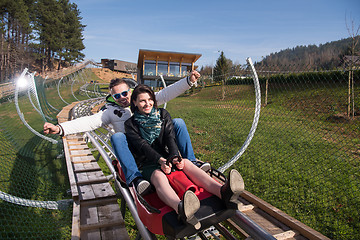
{"x":35,"y":201}
{"x":303,"y":157}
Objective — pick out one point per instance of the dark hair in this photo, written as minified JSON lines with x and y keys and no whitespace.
{"x":117,"y":81}
{"x":141,"y":88}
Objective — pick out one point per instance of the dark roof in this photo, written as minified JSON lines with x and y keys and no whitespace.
{"x":120,"y":65}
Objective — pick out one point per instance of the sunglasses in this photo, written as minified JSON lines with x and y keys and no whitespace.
{"x":124,"y":94}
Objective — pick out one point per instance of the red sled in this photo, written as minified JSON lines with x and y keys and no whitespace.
{"x":163,"y":220}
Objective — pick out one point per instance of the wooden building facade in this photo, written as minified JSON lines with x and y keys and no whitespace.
{"x":171,"y":65}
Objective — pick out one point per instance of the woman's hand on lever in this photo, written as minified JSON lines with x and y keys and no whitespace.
{"x":166,"y":168}
{"x":178,"y":163}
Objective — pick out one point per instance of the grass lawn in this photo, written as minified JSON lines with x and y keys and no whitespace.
{"x":297,"y":161}
{"x":300,"y":160}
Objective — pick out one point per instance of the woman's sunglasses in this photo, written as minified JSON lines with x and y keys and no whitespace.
{"x":124,"y":94}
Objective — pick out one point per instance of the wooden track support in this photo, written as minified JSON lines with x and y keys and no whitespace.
{"x":96,"y":212}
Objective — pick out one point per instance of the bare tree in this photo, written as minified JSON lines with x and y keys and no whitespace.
{"x":354,"y":34}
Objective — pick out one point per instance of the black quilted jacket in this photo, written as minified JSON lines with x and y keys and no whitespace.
{"x":164,"y":146}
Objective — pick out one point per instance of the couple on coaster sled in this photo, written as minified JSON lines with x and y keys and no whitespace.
{"x":151,"y":139}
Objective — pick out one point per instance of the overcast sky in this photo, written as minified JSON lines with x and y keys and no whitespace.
{"x":117,"y":29}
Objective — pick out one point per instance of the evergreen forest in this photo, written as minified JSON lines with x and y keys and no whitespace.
{"x":312,"y":57}
{"x":328,"y":56}
{"x":42,"y":35}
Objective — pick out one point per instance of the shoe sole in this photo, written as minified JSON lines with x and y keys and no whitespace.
{"x":205,"y":167}
{"x":143,"y":188}
{"x":191,"y":206}
{"x":236,"y":182}
{"x":237,"y":186}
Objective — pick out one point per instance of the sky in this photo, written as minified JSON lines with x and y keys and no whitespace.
{"x":117,"y":29}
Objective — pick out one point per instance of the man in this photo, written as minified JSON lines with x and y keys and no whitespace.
{"x":117,"y":112}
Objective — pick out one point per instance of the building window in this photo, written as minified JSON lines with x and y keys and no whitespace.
{"x":150,"y":68}
{"x":162,"y":68}
{"x":174,"y":69}
{"x":185,"y":69}
{"x":150,"y":83}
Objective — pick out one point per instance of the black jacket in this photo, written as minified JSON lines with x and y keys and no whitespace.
{"x":164,"y":146}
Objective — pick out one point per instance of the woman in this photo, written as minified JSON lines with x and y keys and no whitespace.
{"x":152,"y":141}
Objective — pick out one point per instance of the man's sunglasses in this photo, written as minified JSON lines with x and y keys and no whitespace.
{"x":124,"y":94}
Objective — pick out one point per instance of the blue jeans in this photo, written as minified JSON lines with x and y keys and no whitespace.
{"x":127,"y":161}
{"x":183,"y":139}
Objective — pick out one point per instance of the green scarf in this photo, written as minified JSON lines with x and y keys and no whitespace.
{"x":149,"y":125}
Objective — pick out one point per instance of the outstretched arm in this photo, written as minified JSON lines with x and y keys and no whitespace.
{"x":78,"y":125}
{"x":177,"y":88}
{"x":50,"y":128}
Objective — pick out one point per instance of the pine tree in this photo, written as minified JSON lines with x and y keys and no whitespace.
{"x":73,"y":37}
{"x":38,"y":30}
{"x":14,"y":34}
{"x":49,"y":25}
{"x":222,"y":67}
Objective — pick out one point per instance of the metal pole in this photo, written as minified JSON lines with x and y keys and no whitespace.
{"x":249,"y":226}
{"x":255,"y":120}
{"x":164,"y":84}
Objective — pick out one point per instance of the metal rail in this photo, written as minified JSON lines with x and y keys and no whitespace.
{"x":101,"y":144}
{"x":124,"y":192}
{"x":257,"y":219}
{"x":255,"y":121}
{"x":83,"y":109}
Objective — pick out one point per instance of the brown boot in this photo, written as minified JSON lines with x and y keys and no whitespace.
{"x":232,"y":189}
{"x":188,"y":207}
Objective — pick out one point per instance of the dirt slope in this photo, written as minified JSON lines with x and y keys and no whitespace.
{"x":106,"y":74}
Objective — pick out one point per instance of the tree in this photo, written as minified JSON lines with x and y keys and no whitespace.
{"x":49,"y":25}
{"x":14,"y":34}
{"x":354,"y":35}
{"x":206,"y":70}
{"x":41,"y":31}
{"x":221,"y":69}
{"x":72,"y":32}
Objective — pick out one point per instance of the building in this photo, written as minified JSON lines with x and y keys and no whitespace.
{"x":118,"y":65}
{"x":171,"y":65}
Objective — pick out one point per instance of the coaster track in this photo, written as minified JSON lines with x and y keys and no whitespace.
{"x":257,"y":219}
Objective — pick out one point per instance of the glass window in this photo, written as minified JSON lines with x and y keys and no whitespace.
{"x":174,"y":69}
{"x":162,"y":68}
{"x":185,"y":68}
{"x":150,"y":68}
{"x":150,"y":83}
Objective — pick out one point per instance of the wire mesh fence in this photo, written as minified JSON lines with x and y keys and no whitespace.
{"x":34,"y":187}
{"x":303,"y":158}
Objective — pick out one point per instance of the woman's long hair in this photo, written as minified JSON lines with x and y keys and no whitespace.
{"x":141,"y":88}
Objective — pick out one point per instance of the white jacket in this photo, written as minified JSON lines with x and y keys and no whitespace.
{"x":116,"y":115}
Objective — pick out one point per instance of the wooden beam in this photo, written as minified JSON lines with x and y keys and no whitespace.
{"x":101,"y":225}
{"x":156,"y":66}
{"x":75,"y":230}
{"x":73,"y":186}
{"x":283,"y":217}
